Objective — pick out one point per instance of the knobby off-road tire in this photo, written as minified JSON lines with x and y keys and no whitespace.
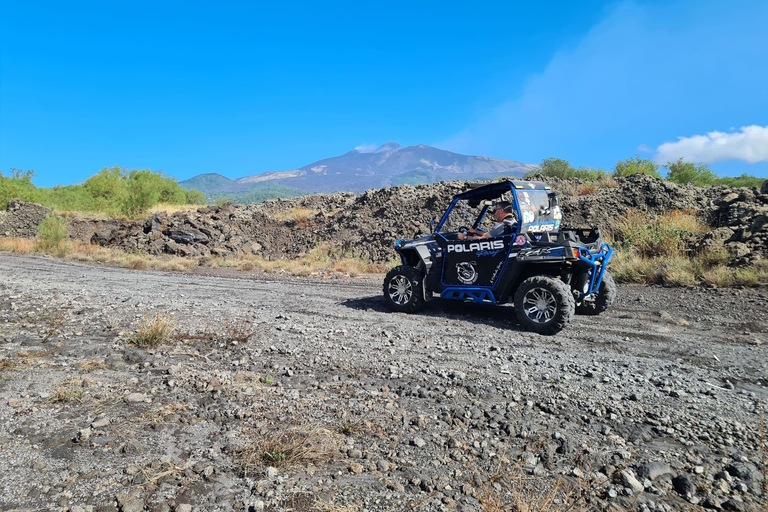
{"x":404,"y":289}
{"x":544,"y":304}
{"x":606,"y":294}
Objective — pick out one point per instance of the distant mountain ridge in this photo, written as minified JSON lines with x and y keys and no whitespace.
{"x":360,"y":169}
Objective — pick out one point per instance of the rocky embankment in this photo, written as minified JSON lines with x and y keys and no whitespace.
{"x":370,"y":223}
{"x":278,"y":393}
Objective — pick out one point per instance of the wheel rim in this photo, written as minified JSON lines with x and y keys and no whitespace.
{"x":540,"y":305}
{"x":400,"y":290}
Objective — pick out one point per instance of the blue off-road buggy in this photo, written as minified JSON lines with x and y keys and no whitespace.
{"x":547,"y":271}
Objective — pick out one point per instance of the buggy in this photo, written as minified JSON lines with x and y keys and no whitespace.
{"x":547,"y":271}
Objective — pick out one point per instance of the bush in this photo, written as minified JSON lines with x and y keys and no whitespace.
{"x":744,"y":180}
{"x":559,"y":168}
{"x":113,"y":190}
{"x":681,"y":172}
{"x":636,"y":165}
{"x":141,"y":192}
{"x":660,"y":235}
{"x":53,"y":232}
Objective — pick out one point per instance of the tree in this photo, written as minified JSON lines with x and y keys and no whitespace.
{"x":106,"y":183}
{"x":555,"y":168}
{"x":636,"y":165}
{"x":141,"y":191}
{"x":682,"y":172}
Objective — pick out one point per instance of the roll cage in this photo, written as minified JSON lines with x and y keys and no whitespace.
{"x":536,"y":206}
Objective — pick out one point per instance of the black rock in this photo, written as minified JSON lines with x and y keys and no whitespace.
{"x":684,"y":485}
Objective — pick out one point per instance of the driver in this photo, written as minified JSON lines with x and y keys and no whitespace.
{"x":505,"y":223}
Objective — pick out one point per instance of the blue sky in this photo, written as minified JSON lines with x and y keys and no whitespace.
{"x":240,"y":88}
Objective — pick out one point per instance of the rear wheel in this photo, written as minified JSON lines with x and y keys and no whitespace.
{"x":544,"y":304}
{"x":602,"y":300}
{"x":404,"y":289}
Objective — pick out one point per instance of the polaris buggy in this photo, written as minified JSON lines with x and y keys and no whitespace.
{"x":547,"y":271}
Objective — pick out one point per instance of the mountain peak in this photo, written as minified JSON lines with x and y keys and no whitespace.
{"x":389,"y":146}
{"x":369,"y":148}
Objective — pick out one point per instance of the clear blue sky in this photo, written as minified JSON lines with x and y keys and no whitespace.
{"x":240,"y":88}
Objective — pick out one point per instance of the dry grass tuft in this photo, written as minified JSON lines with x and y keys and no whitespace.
{"x":69,"y":391}
{"x":512,"y":490}
{"x":8,"y":364}
{"x":351,"y":427}
{"x":298,"y":217}
{"x":285,"y":448}
{"x":587,"y":189}
{"x":54,"y":324}
{"x":27,"y":358}
{"x":154,"y":331}
{"x":93,"y":365}
{"x":240,"y":330}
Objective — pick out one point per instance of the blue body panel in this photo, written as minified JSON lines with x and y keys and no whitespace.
{"x":481,"y":295}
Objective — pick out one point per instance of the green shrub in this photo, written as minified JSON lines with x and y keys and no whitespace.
{"x":194,"y":197}
{"x":141,"y":192}
{"x":744,"y":180}
{"x":113,"y":190}
{"x":559,"y":168}
{"x":659,"y":235}
{"x":53,"y":233}
{"x":682,"y":172}
{"x":636,"y":165}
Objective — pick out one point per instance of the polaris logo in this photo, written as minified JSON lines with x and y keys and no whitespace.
{"x":476,"y":246}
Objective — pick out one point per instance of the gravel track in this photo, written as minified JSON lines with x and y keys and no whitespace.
{"x":653,"y":405}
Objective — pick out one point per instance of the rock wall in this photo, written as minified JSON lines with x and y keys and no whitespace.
{"x":370,"y":223}
{"x":22,"y":219}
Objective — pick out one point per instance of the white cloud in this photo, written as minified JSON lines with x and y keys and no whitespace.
{"x":642,"y":148}
{"x":750,"y":144}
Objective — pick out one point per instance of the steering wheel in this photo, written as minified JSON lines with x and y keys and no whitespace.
{"x":463,"y":229}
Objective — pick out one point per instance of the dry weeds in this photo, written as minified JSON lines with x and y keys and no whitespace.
{"x":68,"y":391}
{"x":287,"y":448}
{"x":512,"y":490}
{"x":587,"y":188}
{"x":54,"y":324}
{"x":93,"y":365}
{"x":351,"y":427}
{"x":154,"y":331}
{"x":79,"y":251}
{"x":323,"y":257}
{"x":298,"y":217}
{"x":699,"y":269}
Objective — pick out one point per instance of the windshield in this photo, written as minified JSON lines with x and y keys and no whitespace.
{"x":536,"y":213}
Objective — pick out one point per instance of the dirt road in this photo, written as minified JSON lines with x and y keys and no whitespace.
{"x":653,"y":405}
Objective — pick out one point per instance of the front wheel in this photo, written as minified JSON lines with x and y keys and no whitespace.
{"x":601,"y":300}
{"x":544,"y":304}
{"x":404,"y":289}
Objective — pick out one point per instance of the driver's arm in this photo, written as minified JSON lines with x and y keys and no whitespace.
{"x":477,"y":232}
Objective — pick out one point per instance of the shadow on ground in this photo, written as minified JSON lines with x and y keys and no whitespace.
{"x":485,"y":314}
